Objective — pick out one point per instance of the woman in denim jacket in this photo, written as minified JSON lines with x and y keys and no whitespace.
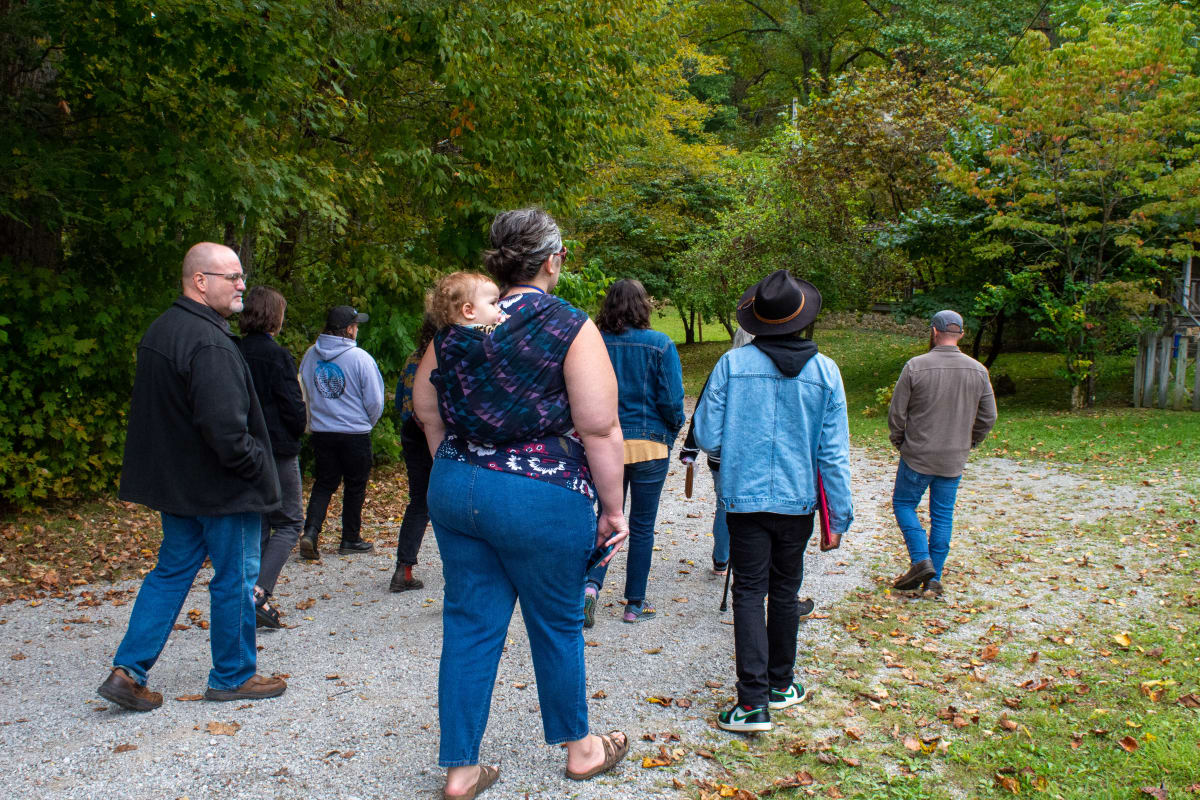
{"x":775,"y":411}
{"x":650,"y":383}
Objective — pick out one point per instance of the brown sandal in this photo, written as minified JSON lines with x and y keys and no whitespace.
{"x":487,"y":776}
{"x":613,"y":755}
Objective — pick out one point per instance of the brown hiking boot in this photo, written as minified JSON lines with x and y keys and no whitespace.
{"x":917,"y":574}
{"x":257,"y":688}
{"x":128,"y":693}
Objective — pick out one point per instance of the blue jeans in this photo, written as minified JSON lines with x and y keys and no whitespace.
{"x":504,"y":537}
{"x":643,"y":486}
{"x":720,"y":526}
{"x":232,"y":542}
{"x":910,"y":488}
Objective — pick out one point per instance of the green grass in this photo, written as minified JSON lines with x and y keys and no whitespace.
{"x":1034,"y":424}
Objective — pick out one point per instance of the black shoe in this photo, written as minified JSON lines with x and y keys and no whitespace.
{"x":358,"y":546}
{"x":266,"y":616}
{"x":308,"y":546}
{"x":917,"y":574}
{"x":933,"y":585}
{"x":744,"y":719}
{"x":807,"y":608}
{"x":401,"y":584}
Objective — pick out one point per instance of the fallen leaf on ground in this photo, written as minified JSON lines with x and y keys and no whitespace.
{"x":652,"y":651}
{"x":600,"y":695}
{"x":1122,"y":639}
{"x":990,"y":652}
{"x":649,"y":762}
{"x":223,"y":728}
{"x":911,"y":743}
{"x":124,"y":748}
{"x":1190,"y":700}
{"x":662,"y":701}
{"x":17,"y":656}
{"x":713,"y":684}
{"x":683,"y":702}
{"x":1008,"y":782}
{"x":1128,"y":744}
{"x":187,"y":698}
{"x":1155,"y":791}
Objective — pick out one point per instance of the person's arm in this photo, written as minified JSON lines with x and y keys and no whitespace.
{"x":220,"y":400}
{"x":833,"y":458}
{"x":425,"y":402}
{"x":372,"y":388}
{"x":288,"y":397}
{"x":709,"y":418}
{"x":669,"y":395}
{"x":898,"y":408}
{"x":592,"y":393}
{"x":985,"y":415}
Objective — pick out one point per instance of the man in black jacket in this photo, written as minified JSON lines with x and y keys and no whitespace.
{"x":197,"y":451}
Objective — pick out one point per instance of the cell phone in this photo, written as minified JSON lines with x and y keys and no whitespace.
{"x":598,"y":555}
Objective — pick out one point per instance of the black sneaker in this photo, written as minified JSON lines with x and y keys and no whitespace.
{"x":744,"y":719}
{"x":917,"y":574}
{"x":807,"y":608}
{"x":788,"y":697}
{"x":358,"y":546}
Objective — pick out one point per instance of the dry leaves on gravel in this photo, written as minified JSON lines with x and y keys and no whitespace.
{"x":223,"y":728}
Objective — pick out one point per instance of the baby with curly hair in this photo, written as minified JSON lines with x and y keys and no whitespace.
{"x":469,"y":299}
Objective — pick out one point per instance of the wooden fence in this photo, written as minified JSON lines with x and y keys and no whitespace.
{"x":1160,"y":373}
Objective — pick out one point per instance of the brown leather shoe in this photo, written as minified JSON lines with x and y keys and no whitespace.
{"x":128,"y":693}
{"x":257,"y":688}
{"x":917,"y":574}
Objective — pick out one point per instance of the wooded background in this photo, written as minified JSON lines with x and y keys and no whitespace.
{"x":1030,"y":163}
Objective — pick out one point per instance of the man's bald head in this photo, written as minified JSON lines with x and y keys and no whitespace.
{"x":206,"y":257}
{"x":212,"y":275}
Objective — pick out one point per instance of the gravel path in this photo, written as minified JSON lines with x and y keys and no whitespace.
{"x":359,"y":720}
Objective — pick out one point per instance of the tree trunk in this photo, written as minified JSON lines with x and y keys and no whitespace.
{"x":997,"y":341}
{"x":727,"y":325}
{"x":689,"y":331}
{"x":977,"y":344}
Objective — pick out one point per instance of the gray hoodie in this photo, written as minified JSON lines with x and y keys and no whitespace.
{"x":342,"y":385}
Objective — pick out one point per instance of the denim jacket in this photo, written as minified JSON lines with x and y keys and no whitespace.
{"x":650,"y":383}
{"x":772,"y":432}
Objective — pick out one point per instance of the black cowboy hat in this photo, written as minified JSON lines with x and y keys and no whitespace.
{"x":778,"y":304}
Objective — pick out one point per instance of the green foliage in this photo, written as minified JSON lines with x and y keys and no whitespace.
{"x":1084,"y":180}
{"x":64,"y":378}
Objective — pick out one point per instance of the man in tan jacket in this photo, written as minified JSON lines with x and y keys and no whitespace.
{"x":942,"y":407}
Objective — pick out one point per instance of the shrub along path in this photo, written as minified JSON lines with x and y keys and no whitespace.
{"x":1062,"y":658}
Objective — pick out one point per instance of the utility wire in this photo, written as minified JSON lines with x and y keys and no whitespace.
{"x":1013,"y":47}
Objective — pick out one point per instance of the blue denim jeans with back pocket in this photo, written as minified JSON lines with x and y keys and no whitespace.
{"x":906,"y":496}
{"x":643,"y":487}
{"x":232,"y":542}
{"x":505,"y":537}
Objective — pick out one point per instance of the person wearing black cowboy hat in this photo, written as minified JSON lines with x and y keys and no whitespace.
{"x":775,"y":412}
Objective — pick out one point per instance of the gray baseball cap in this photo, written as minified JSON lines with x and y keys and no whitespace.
{"x":948,"y":321}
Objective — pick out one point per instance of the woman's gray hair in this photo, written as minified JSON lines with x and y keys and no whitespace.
{"x":522,"y":240}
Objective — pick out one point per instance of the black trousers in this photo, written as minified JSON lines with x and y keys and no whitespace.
{"x":339,"y":456}
{"x":767,"y":556}
{"x":418,"y":464}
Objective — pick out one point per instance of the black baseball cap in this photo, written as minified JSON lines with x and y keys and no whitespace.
{"x":342,"y":317}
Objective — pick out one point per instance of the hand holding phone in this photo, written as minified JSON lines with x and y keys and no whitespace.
{"x":598,"y":555}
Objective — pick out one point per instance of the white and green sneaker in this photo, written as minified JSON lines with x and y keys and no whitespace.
{"x":744,"y":719}
{"x":790,"y":696}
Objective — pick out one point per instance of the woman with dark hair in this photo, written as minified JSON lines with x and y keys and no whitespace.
{"x":417,"y":464}
{"x":278,"y":390}
{"x":523,"y":426}
{"x":650,"y":384}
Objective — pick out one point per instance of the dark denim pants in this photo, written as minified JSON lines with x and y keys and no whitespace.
{"x":339,"y":456}
{"x":906,"y":496}
{"x":231,"y":541}
{"x":767,"y":553}
{"x":643,"y":486}
{"x":720,"y":528}
{"x":417,"y":463}
{"x":505,"y":537}
{"x":286,"y":522}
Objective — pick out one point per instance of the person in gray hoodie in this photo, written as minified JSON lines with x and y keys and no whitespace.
{"x":344,"y":391}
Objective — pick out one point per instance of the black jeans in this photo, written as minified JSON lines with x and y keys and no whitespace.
{"x":767,"y":556}
{"x":418,"y":464}
{"x":339,"y":456}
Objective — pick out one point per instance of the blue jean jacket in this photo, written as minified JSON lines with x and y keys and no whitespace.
{"x":650,"y":383}
{"x":773,"y":432}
